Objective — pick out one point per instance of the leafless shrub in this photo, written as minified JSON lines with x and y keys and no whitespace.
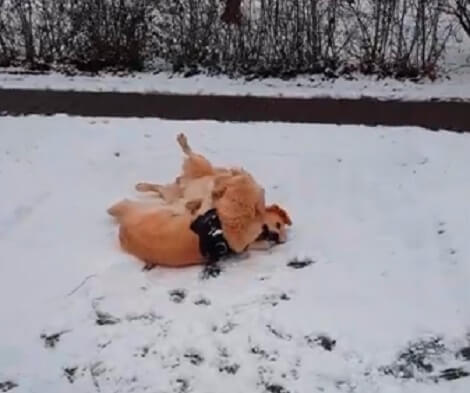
{"x":402,"y":38}
{"x":111,"y":33}
{"x":90,"y":34}
{"x":263,"y":38}
{"x":8,"y":36}
{"x":460,"y":9}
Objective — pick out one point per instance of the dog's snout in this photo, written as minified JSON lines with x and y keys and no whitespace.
{"x":273,"y":236}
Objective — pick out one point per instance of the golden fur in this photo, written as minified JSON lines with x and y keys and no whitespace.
{"x":156,"y":236}
{"x":241,"y":209}
{"x":161,"y":234}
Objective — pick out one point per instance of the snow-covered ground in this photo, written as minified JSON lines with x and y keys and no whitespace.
{"x":381,"y":213}
{"x":453,"y":83}
{"x":453,"y":86}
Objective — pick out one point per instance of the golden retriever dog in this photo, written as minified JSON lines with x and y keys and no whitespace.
{"x":160,"y":236}
{"x":241,"y":210}
{"x":207,"y":213}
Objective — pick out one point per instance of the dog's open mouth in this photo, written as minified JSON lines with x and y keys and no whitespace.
{"x":269,"y":235}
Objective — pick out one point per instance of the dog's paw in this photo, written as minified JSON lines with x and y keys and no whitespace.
{"x":142,"y":187}
{"x":183,"y":142}
{"x":149,"y":266}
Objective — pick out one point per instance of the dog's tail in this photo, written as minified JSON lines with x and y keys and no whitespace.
{"x":120,"y":209}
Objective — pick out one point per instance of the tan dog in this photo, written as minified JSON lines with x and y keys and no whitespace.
{"x":239,"y":200}
{"x":159,"y":236}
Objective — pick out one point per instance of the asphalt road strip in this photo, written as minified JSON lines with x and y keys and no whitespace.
{"x":432,"y":114}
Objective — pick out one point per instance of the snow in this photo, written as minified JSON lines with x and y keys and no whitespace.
{"x":452,"y":83}
{"x":382,"y":212}
{"x":455,"y":88}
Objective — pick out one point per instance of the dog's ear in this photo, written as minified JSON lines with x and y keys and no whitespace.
{"x":218,"y":192}
{"x":220,"y":186}
{"x":280,"y":212}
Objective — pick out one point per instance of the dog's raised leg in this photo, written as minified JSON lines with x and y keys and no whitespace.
{"x":194,"y":165}
{"x":183,"y":142}
{"x":146,"y":187}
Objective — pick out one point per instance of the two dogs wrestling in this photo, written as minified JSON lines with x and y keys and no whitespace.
{"x":207,"y":214}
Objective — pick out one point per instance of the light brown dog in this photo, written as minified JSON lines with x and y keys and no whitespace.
{"x":241,"y":210}
{"x":160,"y":233}
{"x":159,"y":236}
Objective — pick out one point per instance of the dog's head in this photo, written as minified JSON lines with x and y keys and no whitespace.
{"x":275,"y":224}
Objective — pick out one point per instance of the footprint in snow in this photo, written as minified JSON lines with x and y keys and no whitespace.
{"x":7,"y":386}
{"x":297,"y":263}
{"x":104,"y":318}
{"x":202,"y":301}
{"x":51,"y":340}
{"x":177,"y":295}
{"x":194,"y":357}
{"x":70,"y":373}
{"x":322,"y":340}
{"x":464,"y":353}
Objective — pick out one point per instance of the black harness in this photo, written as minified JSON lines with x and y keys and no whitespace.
{"x":212,"y":243}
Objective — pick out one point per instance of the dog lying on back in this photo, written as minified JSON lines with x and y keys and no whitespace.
{"x":160,"y":236}
{"x":225,"y":215}
{"x":200,"y":180}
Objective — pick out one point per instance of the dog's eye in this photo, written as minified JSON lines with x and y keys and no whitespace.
{"x":278,"y":225}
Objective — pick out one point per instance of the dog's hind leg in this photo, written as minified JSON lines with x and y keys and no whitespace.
{"x":183,"y":142}
{"x":194,"y":165}
{"x":147,"y":187}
